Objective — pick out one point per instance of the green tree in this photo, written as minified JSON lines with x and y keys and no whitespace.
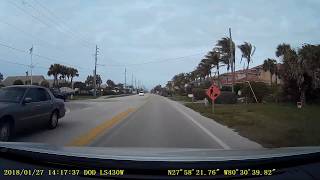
{"x":79,"y":85}
{"x":223,"y":47}
{"x":45,"y":83}
{"x":1,"y":77}
{"x":271,"y":66}
{"x":73,"y":73}
{"x":89,"y":81}
{"x":110,"y":83}
{"x":18,"y":82}
{"x":214,"y":60}
{"x":293,"y":70}
{"x":247,"y":51}
{"x":54,"y":71}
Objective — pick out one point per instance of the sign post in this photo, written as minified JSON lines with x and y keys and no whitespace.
{"x":213,"y":92}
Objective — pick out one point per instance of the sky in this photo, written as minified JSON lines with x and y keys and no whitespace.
{"x":152,"y":39}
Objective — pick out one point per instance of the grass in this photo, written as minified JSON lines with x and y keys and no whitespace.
{"x":271,"y":125}
{"x":181,"y":98}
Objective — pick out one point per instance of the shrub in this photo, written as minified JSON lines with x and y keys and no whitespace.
{"x":226,"y":97}
{"x":45,"y":83}
{"x":226,"y":88}
{"x":79,"y":85}
{"x":18,"y":82}
{"x":198,"y":93}
{"x":205,"y":84}
{"x":260,"y":89}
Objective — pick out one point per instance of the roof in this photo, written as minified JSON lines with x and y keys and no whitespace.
{"x":10,"y":79}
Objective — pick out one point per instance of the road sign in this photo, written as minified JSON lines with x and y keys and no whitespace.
{"x":213,"y":92}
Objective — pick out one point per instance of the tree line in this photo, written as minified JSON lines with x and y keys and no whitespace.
{"x":299,"y":69}
{"x":62,"y":72}
{"x":222,"y":55}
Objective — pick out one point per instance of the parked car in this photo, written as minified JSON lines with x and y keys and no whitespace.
{"x":25,"y":106}
{"x":141,"y":93}
{"x":58,"y":94}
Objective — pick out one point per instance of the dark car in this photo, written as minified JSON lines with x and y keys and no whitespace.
{"x":26,"y":106}
{"x":58,"y":94}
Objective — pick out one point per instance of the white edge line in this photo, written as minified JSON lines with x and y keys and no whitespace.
{"x":215,"y":138}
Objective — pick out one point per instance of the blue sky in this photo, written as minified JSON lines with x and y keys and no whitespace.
{"x":130,"y":32}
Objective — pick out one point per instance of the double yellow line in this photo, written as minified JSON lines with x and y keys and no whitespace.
{"x":86,"y":138}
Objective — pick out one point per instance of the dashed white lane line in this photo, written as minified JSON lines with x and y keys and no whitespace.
{"x":215,"y":138}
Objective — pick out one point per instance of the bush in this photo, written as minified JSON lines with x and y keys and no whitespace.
{"x":79,"y":85}
{"x":45,"y":83}
{"x":226,"y":97}
{"x":108,"y":92}
{"x":261,"y":90}
{"x":205,"y":84}
{"x":18,"y":82}
{"x":226,"y":88}
{"x":198,"y":93}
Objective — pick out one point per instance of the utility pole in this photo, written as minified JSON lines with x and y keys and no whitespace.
{"x":135,"y":83}
{"x":232,"y":60}
{"x":95,"y":71}
{"x":125,"y":78}
{"x":31,"y":65}
{"x":132,"y":80}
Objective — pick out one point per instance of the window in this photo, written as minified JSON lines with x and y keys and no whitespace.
{"x":38,"y":95}
{"x":11,"y":94}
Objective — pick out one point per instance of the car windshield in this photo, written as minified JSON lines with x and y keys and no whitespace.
{"x":12,"y":94}
{"x":198,"y":74}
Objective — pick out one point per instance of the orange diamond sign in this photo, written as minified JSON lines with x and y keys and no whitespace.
{"x":213,"y":92}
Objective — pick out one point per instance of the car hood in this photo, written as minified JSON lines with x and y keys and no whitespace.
{"x":159,"y":154}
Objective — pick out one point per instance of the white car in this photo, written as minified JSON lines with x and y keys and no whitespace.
{"x":141,"y":93}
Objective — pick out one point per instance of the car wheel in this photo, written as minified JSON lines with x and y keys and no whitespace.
{"x":5,"y":131}
{"x":54,"y":118}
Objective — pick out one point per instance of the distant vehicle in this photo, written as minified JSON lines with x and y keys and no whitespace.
{"x":141,"y":93}
{"x":58,"y":94}
{"x":25,"y":106}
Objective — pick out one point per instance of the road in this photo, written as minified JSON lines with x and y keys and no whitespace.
{"x":137,"y":121}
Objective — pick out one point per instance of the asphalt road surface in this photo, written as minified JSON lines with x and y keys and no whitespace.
{"x":137,"y":121}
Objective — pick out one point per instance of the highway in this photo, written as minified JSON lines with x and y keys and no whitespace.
{"x":137,"y":121}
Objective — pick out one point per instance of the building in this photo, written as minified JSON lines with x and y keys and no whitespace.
{"x":37,"y":79}
{"x":256,"y":74}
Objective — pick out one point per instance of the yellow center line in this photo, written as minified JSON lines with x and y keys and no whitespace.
{"x":86,"y":138}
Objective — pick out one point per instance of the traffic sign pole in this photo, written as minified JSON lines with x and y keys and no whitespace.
{"x":212,"y":106}
{"x":213,"y":92}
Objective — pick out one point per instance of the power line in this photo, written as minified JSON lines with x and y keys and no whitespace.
{"x":48,"y":59}
{"x":30,"y":34}
{"x":182,"y":58}
{"x":21,"y":64}
{"x":40,"y":20}
{"x":56,"y":22}
{"x":61,"y":20}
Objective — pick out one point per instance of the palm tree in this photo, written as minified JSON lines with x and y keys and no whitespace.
{"x":214,"y":60}
{"x":247,"y":51}
{"x":294,"y":64}
{"x":205,"y":68}
{"x":54,"y":71}
{"x":223,"y":48}
{"x":73,"y":73}
{"x":271,"y":66}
